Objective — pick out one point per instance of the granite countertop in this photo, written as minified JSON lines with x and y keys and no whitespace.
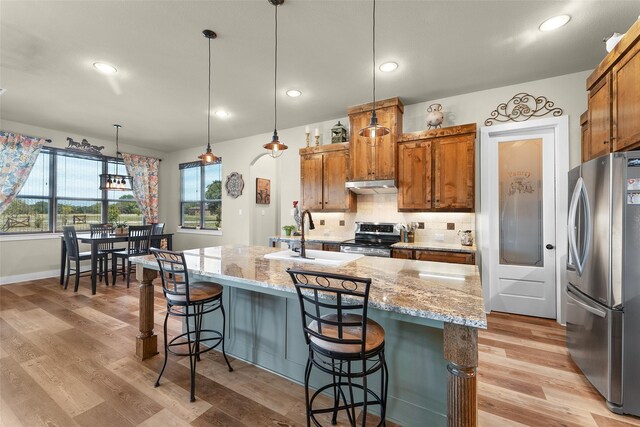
{"x":432,"y":290}
{"x":436,"y":245}
{"x":312,"y":238}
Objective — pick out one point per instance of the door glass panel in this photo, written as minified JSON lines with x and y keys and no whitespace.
{"x":520,"y":202}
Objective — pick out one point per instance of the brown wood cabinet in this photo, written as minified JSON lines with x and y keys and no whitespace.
{"x":377,"y":161}
{"x":323,"y":175}
{"x":331,"y":247}
{"x":584,"y":135}
{"x":435,"y":255}
{"x":614,"y":99}
{"x":436,"y":170}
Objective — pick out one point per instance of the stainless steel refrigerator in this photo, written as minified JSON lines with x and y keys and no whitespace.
{"x":603,"y":271}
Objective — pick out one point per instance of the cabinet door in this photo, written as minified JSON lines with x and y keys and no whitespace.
{"x":335,"y":194}
{"x":414,"y":175}
{"x":443,"y":256}
{"x":600,"y":118}
{"x":453,"y":172}
{"x":311,"y":181}
{"x":384,"y":166}
{"x":361,"y":151}
{"x":331,"y":247}
{"x":584,"y":128}
{"x":402,"y":253}
{"x":626,"y":101}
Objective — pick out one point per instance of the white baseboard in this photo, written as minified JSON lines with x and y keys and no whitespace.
{"x":29,"y":276}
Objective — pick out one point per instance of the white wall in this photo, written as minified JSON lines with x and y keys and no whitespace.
{"x":265,"y":219}
{"x":29,"y":259}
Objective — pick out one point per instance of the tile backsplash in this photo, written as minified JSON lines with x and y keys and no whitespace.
{"x":384,"y":208}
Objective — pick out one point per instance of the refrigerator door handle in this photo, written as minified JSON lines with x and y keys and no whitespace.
{"x":589,"y":227}
{"x":574,"y":260}
{"x":593,"y":310}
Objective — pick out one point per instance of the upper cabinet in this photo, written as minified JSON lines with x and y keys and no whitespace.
{"x":377,"y":160}
{"x":323,"y":175}
{"x":436,"y":170}
{"x":614,"y":99}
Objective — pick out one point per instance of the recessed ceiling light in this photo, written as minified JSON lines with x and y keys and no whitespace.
{"x":104,"y":68}
{"x":554,"y":23}
{"x":222,"y":114}
{"x":293,"y":93}
{"x":388,"y":67}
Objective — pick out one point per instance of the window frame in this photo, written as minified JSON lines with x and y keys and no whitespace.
{"x":203,"y":200}
{"x":52,"y":198}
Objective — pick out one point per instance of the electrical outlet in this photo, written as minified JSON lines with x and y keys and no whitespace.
{"x":439,"y":237}
{"x":421,"y":226}
{"x":342,"y":222}
{"x":451,"y":226}
{"x":322,"y":222}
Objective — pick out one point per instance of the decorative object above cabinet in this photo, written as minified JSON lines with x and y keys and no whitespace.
{"x":436,"y":169}
{"x":614,"y":99}
{"x":324,"y":171}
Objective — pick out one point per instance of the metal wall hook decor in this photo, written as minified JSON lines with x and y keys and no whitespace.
{"x":521,"y":107}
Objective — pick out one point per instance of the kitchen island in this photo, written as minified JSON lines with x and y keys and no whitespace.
{"x":430,"y":313}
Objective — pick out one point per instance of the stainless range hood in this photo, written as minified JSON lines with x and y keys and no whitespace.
{"x":379,"y":186}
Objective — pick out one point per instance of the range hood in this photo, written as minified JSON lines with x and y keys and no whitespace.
{"x":378,"y":186}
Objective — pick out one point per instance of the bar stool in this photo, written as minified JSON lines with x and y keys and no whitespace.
{"x":190,"y":301}
{"x":342,"y":342}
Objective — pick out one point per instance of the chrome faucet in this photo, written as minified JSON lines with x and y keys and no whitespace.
{"x":303,"y":252}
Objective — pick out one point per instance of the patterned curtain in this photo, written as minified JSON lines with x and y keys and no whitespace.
{"x":18,"y":154}
{"x":144,"y":171}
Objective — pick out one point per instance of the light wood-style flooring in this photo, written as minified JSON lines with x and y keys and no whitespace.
{"x":66,"y":359}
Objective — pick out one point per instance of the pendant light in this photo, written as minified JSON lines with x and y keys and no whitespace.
{"x":117,"y":181}
{"x":275,"y":146}
{"x":208,"y":156}
{"x":374,"y":130}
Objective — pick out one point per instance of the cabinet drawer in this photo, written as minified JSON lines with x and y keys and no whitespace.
{"x":314,"y":246}
{"x":332,"y":247}
{"x":445,"y":256}
{"x":402,"y":253}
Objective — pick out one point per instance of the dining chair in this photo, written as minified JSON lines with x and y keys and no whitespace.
{"x":158,"y":228}
{"x":106,"y":248}
{"x":138,"y":243}
{"x":73,"y":254}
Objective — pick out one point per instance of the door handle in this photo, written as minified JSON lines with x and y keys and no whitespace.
{"x":575,"y":298}
{"x":550,"y":246}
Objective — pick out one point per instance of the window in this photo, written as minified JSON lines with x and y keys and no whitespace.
{"x":63,"y":189}
{"x":201,"y":195}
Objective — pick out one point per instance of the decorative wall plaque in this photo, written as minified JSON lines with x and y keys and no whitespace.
{"x":521,"y":107}
{"x":263,"y":191}
{"x":83,"y":146}
{"x":234,"y":185}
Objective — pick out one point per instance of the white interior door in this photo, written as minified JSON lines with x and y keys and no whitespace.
{"x":522,"y":220}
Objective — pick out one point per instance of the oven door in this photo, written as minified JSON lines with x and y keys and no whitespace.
{"x":366,"y":250}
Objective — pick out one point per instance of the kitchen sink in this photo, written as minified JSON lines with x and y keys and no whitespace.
{"x":336,"y":259}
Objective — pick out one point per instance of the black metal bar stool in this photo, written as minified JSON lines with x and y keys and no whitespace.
{"x":190,"y":301}
{"x":342,"y":342}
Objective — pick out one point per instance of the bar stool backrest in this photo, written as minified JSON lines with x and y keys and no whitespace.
{"x":328,"y":299}
{"x":70,"y":241}
{"x":102,"y":230}
{"x":157,"y":228}
{"x":139,"y":241}
{"x":173,"y":272}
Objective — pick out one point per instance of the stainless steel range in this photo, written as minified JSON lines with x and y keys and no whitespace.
{"x":372,"y":239}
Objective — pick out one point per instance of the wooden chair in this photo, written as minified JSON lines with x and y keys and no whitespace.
{"x":73,"y":254}
{"x":99,"y":230}
{"x":138,"y":243}
{"x":189,"y":301}
{"x":342,"y":342}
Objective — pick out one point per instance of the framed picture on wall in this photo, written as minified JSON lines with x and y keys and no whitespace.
{"x":263,"y":191}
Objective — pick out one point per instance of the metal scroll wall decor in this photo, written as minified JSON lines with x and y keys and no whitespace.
{"x":234,"y":185}
{"x":521,"y":107}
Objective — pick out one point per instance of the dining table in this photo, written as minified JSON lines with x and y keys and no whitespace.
{"x":96,"y":240}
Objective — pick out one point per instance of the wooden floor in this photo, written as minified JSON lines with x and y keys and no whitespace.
{"x":66,"y":359}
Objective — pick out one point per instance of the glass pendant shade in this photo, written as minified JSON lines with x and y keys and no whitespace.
{"x":275,"y":146}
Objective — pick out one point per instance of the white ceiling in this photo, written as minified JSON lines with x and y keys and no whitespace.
{"x":159,"y":94}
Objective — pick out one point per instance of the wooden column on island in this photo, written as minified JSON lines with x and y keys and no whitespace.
{"x":461,"y":350}
{"x":146,"y":340}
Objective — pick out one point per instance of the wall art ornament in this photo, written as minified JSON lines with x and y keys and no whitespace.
{"x":263,"y":191}
{"x":83,"y":146}
{"x":234,"y":185}
{"x":521,"y":107}
{"x":435,"y":116}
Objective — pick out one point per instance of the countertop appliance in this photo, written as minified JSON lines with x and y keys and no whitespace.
{"x":372,"y":239}
{"x":603,"y":273}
